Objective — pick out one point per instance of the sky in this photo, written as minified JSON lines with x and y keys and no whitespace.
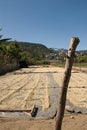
{"x":49,"y":22}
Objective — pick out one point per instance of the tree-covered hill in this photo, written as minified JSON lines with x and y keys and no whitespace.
{"x":16,"y":52}
{"x":34,"y":52}
{"x":33,"y":47}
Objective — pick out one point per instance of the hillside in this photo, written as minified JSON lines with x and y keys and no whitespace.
{"x":33,"y":47}
{"x":40,"y":52}
{"x":34,"y":53}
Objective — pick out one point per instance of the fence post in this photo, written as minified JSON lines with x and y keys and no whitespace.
{"x":68,"y":67}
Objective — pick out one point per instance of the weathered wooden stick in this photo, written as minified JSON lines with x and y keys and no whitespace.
{"x":68,"y":67}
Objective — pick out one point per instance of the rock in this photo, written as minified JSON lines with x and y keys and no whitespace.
{"x":69,"y":109}
{"x":72,"y":117}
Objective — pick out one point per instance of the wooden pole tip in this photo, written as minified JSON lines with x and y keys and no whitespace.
{"x":74,"y":42}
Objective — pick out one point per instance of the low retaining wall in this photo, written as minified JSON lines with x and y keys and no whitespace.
{"x":7,"y":68}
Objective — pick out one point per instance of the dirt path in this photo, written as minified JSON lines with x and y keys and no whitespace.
{"x":22,"y":89}
{"x":70,"y":122}
{"x":41,"y":86}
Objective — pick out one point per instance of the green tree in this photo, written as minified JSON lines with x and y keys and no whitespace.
{"x":13,"y":52}
{"x":81,"y":58}
{"x":3,"y":50}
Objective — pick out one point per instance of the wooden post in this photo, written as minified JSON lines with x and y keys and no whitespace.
{"x":68,"y":67}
